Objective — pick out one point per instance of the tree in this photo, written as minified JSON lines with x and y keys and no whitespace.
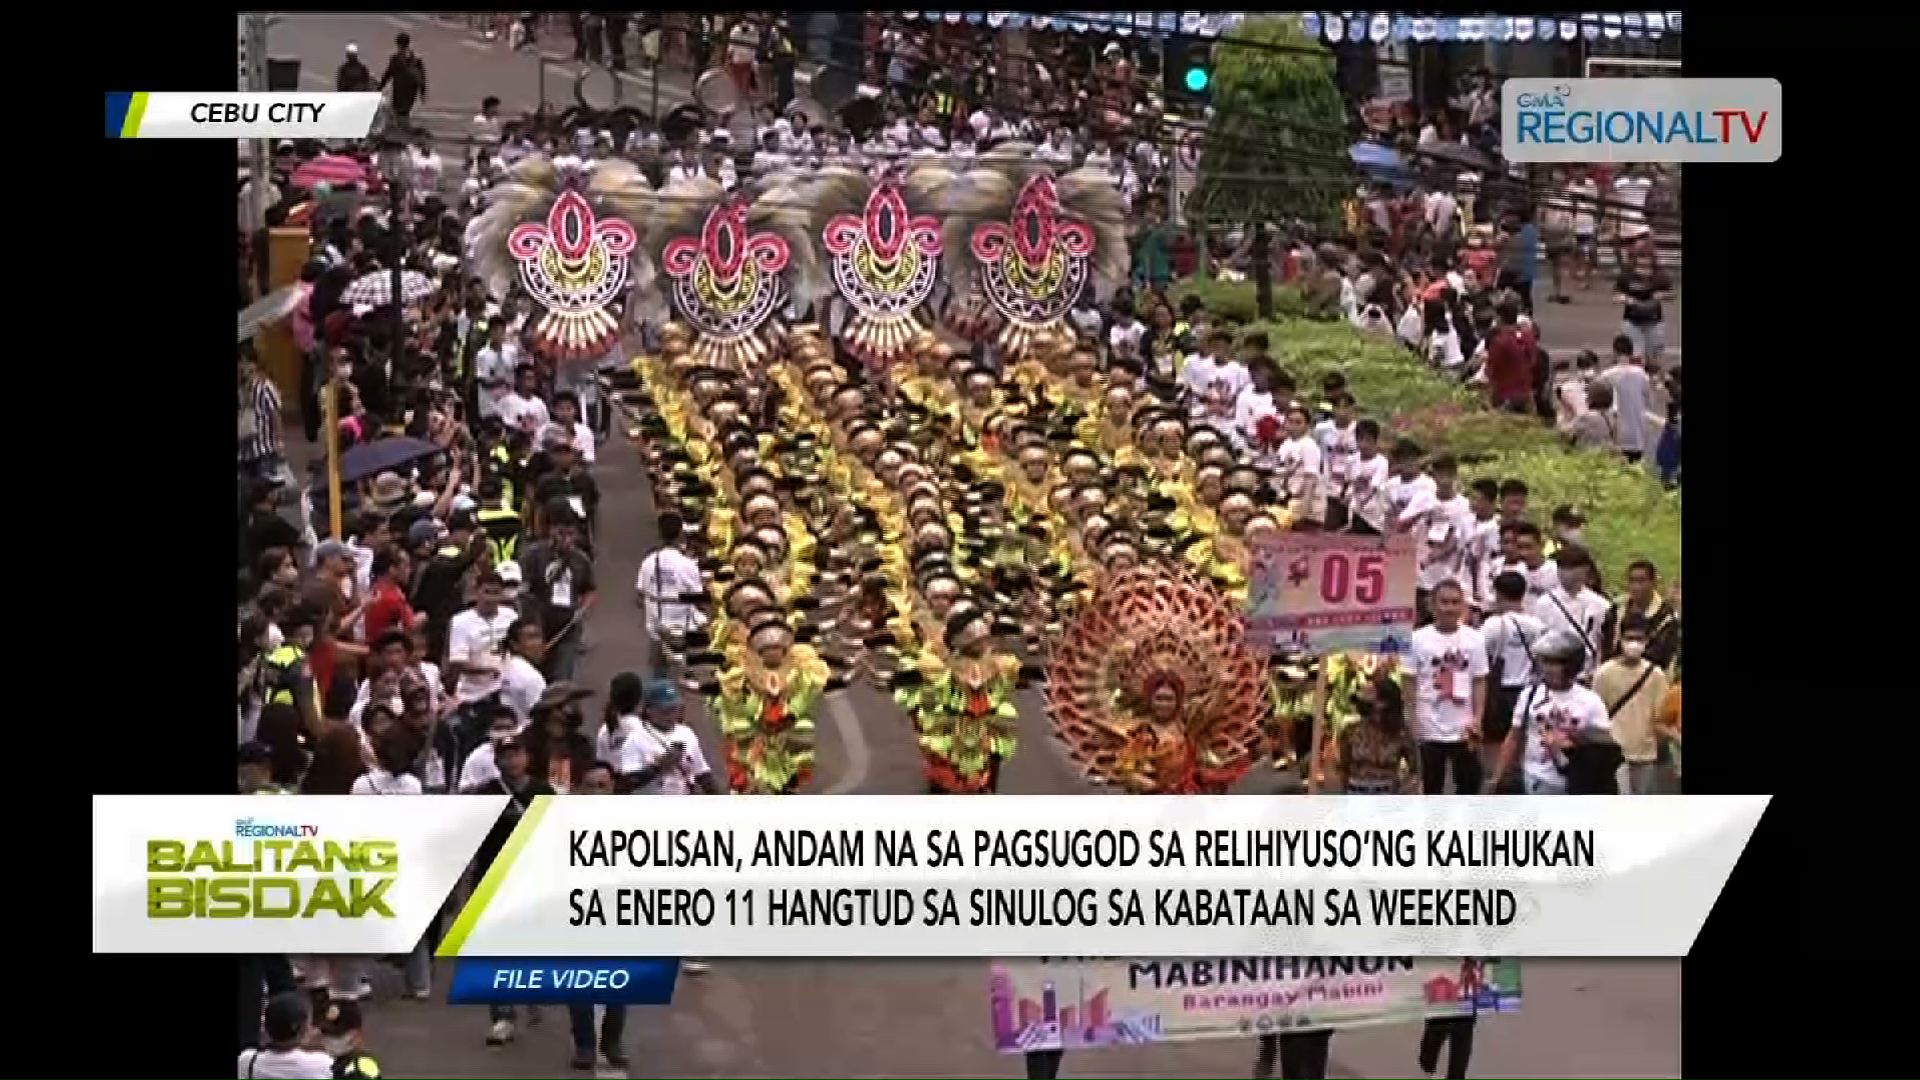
{"x":1277,"y":146}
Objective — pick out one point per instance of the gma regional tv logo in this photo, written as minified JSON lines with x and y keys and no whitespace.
{"x":1650,"y":119}
{"x":270,"y":870}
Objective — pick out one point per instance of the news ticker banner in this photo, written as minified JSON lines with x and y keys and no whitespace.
{"x":143,"y":114}
{"x":905,"y":876}
{"x":1078,"y":1003}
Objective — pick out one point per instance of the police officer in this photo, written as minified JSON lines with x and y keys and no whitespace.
{"x":290,"y":713}
{"x":343,"y":1037}
{"x":941,"y":97}
{"x":498,"y":520}
{"x":783,"y":58}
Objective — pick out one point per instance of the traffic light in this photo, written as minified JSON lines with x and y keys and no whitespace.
{"x":1189,"y":73}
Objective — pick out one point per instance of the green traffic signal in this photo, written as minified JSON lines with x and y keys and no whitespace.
{"x":1197,"y":79}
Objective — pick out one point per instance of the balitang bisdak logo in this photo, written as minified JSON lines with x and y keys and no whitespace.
{"x":1653,"y":119}
{"x":270,"y":870}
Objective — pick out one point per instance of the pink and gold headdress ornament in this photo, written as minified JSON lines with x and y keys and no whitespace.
{"x":885,"y":258}
{"x":1032,"y":243}
{"x":569,"y":239}
{"x":730,"y":275}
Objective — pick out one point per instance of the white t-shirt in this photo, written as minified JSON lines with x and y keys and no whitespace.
{"x":1412,"y":326}
{"x":1442,"y":210}
{"x":1298,"y":465}
{"x":382,"y":782}
{"x":981,"y":123}
{"x":1443,"y":348}
{"x":524,"y":413}
{"x":1483,"y":561}
{"x":1573,"y":709}
{"x":1367,"y":482}
{"x":472,"y":638}
{"x":1584,"y":194}
{"x":1444,"y":667}
{"x":1583,"y":614}
{"x":1540,"y":580}
{"x":362,"y":564}
{"x":1442,"y":527}
{"x":521,"y":684}
{"x":1632,"y":390}
{"x":1124,"y":338}
{"x":1401,"y":496}
{"x":652,"y":745}
{"x":1248,"y":408}
{"x":426,"y":172}
{"x":1631,"y":191}
{"x":1338,"y":448}
{"x":624,"y":749}
{"x":480,"y":767}
{"x":1510,"y":637}
{"x":285,"y":1065}
{"x":665,"y":576}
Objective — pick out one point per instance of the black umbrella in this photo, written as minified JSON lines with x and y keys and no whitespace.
{"x":383,"y":455}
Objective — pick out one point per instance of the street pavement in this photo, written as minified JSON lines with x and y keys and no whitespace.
{"x":462,"y":69}
{"x":906,"y":1018}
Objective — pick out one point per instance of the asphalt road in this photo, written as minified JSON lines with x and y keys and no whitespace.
{"x":912,"y":1018}
{"x":462,"y":69}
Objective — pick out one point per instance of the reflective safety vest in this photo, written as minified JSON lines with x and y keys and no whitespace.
{"x":283,"y":666}
{"x":942,"y":104}
{"x":502,"y":527}
{"x":503,"y":461}
{"x":356,"y":1066}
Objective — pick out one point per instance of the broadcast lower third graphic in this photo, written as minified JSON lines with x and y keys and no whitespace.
{"x":525,"y":980}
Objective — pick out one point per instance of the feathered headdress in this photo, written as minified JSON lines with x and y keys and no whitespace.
{"x":732,"y":262}
{"x":1031,"y":243}
{"x":570,"y":238}
{"x":883,"y":249}
{"x":1153,"y":689}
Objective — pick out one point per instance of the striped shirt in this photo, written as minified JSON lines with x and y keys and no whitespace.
{"x":259,"y":421}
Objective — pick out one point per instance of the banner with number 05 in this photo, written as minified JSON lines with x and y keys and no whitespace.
{"x":1320,"y":593}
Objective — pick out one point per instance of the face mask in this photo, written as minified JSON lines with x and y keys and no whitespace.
{"x":1570,"y":536}
{"x":1633,"y":650}
{"x":336,"y":1046}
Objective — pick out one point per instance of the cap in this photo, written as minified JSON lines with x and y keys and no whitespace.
{"x":661,"y":694}
{"x":331,"y":549}
{"x":463,"y":519}
{"x":508,"y":573}
{"x":286,"y":1016}
{"x":340,"y":1018}
{"x":423,"y":532}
